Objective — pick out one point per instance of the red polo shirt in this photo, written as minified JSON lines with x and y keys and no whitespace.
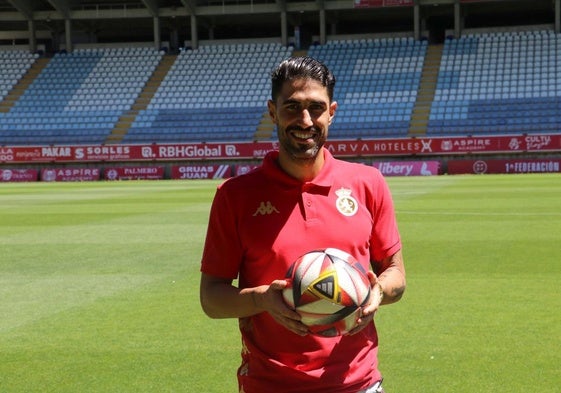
{"x":259,"y":224}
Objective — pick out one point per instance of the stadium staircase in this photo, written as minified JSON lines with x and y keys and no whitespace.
{"x":504,"y":82}
{"x":427,"y":88}
{"x":127,"y":119}
{"x":214,"y":93}
{"x":378,"y":84}
{"x":22,"y":84}
{"x":266,"y":127}
{"x":78,"y":97}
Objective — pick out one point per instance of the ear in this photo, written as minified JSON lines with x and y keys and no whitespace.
{"x":332,"y":109}
{"x":272,"y":111}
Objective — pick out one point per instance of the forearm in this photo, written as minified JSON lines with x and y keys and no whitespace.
{"x":222,"y":300}
{"x":393,"y":286}
{"x":392,"y":278}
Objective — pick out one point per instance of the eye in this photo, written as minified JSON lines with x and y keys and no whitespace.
{"x":316,"y":108}
{"x":291,"y":106}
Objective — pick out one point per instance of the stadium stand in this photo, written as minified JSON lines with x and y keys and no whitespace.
{"x":378,"y":80}
{"x":214,"y":93}
{"x":13,"y":66}
{"x":488,"y":83}
{"x":78,"y":97}
{"x":496,"y":83}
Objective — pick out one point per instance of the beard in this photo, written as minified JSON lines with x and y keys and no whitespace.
{"x":302,"y":150}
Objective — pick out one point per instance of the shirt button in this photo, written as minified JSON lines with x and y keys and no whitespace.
{"x":308,"y":202}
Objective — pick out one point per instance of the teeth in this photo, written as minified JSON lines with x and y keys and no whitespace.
{"x":302,"y":135}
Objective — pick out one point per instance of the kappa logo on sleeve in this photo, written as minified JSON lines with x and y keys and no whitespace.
{"x":265,"y":208}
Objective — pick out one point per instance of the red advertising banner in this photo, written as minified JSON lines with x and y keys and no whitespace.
{"x":408,"y":168}
{"x":456,"y":167}
{"x":134,"y":173}
{"x":424,"y":146}
{"x":123,"y":153}
{"x":70,"y":174}
{"x":447,"y":146}
{"x":17,"y":175}
{"x":201,"y":171}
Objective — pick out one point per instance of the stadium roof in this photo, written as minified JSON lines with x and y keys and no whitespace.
{"x":133,"y":20}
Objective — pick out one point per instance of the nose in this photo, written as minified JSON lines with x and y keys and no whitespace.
{"x":306,"y":118}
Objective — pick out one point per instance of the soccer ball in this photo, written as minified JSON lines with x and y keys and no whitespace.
{"x":328,"y":288}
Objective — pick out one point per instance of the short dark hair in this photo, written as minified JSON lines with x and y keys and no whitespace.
{"x":301,"y":68}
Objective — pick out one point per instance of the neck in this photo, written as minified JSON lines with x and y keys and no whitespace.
{"x":303,"y":170}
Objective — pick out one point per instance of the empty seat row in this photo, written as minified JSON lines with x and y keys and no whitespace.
{"x":478,"y":88}
{"x":485,"y":82}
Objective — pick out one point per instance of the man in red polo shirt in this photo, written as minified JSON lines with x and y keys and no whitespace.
{"x":301,"y":199}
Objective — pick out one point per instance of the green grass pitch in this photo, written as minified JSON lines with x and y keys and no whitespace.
{"x":99,"y":288}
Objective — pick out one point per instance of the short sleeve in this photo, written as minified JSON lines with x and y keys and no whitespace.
{"x":385,"y":240}
{"x":222,"y":252}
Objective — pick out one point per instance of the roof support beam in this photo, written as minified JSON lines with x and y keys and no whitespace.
{"x":62,"y":6}
{"x":191,"y":6}
{"x":23,"y":6}
{"x":152,"y":7}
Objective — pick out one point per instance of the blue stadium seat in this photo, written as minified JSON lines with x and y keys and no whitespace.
{"x":499,"y":80}
{"x":377,"y":74}
{"x":83,"y":90}
{"x":214,"y":93}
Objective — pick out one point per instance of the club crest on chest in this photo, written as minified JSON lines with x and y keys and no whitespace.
{"x":346,"y":204}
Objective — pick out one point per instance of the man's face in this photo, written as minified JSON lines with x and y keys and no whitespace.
{"x":302,"y":113}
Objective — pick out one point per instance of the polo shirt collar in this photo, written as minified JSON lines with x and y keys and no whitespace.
{"x":324,"y":179}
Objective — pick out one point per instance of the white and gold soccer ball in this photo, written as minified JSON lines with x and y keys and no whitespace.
{"x":328,"y":288}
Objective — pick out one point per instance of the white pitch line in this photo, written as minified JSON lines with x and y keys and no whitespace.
{"x":445,"y":213}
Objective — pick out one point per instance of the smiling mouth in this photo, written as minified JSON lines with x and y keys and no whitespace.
{"x":303,"y":135}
